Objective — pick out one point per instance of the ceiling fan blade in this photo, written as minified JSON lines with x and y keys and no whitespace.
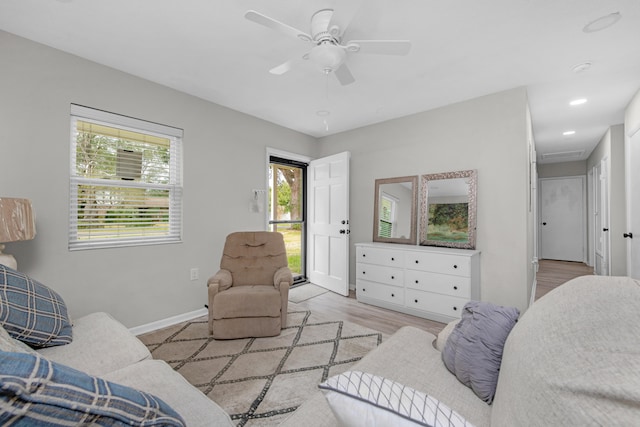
{"x":261,"y":19}
{"x":282,"y":68}
{"x":343,"y":14}
{"x":379,"y":47}
{"x":286,"y":66}
{"x":344,"y":76}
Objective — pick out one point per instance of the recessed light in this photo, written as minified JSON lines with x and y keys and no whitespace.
{"x":583,"y":66}
{"x":579,"y":101}
{"x":568,"y":132}
{"x":602,"y":23}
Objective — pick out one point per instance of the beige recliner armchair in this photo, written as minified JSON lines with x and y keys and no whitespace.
{"x":248,"y":297}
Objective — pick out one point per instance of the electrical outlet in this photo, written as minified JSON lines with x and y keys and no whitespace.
{"x":195,"y":274}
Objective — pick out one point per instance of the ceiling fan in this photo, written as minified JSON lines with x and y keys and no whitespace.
{"x":328,"y":52}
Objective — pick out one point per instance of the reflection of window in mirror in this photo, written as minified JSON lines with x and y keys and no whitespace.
{"x":395,"y":210}
{"x":386,"y":226}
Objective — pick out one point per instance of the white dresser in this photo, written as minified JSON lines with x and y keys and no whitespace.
{"x":426,"y":281}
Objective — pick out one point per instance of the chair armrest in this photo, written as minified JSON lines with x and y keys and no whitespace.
{"x":282,"y":275}
{"x":282,"y":280}
{"x":223,"y":278}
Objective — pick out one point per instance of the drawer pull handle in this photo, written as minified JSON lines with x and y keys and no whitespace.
{"x":364,"y":272}
{"x":417,"y":261}
{"x":455,"y":308}
{"x":393,"y":295}
{"x":455,"y":288}
{"x":393,"y":277}
{"x":364,"y":255}
{"x":364,"y":290}
{"x":393,"y":259}
{"x":416,"y":281}
{"x":416,"y":301}
{"x":455,"y":266}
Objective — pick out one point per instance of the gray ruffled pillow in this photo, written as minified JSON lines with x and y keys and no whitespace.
{"x":473,"y":352}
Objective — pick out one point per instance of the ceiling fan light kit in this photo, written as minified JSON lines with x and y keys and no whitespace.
{"x":328,"y":56}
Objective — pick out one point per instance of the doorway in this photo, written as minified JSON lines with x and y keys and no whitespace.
{"x":287,"y":210}
{"x":562,"y":219}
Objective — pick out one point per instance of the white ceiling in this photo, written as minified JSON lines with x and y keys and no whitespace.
{"x":461,"y":49}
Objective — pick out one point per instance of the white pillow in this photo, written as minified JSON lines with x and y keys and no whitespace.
{"x":361,"y":399}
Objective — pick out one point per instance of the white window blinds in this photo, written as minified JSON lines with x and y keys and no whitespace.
{"x":126,"y":182}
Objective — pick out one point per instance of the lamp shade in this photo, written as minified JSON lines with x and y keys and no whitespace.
{"x":17,"y":221}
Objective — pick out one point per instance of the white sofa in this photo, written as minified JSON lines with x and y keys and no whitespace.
{"x":103,"y":347}
{"x":573,"y":359}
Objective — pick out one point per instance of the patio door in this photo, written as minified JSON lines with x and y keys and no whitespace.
{"x":287,"y":210}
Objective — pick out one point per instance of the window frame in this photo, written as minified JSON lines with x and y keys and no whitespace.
{"x":174,"y":186}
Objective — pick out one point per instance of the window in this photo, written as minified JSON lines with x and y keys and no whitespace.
{"x":126,"y":181}
{"x":387,"y":215}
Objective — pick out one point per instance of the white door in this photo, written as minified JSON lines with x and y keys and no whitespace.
{"x":328,"y":220}
{"x":562,"y":224}
{"x":602,"y":239}
{"x":633,"y":203}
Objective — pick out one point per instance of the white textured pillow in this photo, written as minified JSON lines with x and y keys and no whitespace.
{"x":361,"y":399}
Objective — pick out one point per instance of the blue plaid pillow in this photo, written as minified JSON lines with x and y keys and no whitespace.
{"x":37,"y":392}
{"x":31,"y":312}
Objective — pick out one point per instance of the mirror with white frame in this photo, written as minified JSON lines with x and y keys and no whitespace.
{"x":395,"y":216}
{"x":448,"y":209}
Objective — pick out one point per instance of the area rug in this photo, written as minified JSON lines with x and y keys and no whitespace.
{"x":305,"y":292}
{"x":260,"y":381}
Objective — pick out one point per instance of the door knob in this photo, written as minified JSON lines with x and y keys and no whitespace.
{"x":605,"y":229}
{"x":343,"y":231}
{"x":629,"y":235}
{"x":544,"y":223}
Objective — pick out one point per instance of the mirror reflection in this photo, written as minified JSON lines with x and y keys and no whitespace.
{"x":447,"y":211}
{"x":395,"y":210}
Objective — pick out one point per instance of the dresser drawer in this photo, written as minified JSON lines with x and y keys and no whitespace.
{"x":457,"y":286}
{"x":439,"y":263}
{"x":436,"y":303}
{"x":378,"y":256}
{"x":380,"y":292}
{"x":380,"y":273}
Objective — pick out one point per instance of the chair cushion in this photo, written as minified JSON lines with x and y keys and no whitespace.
{"x":247,"y":301}
{"x":36,"y":391}
{"x":31,"y":312}
{"x":253,"y":257}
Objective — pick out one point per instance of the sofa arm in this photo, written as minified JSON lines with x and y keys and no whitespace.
{"x":443,"y":336}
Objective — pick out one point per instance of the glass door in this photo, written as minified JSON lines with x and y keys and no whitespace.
{"x":287,"y":210}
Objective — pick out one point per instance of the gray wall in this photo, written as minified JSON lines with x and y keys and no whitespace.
{"x":611,"y":146}
{"x":488,"y":134}
{"x":139,"y":285}
{"x":224,"y":159}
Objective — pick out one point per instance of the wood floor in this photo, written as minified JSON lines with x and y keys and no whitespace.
{"x":550,"y":275}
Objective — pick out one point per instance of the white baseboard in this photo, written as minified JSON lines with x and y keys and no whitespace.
{"x":170,"y":321}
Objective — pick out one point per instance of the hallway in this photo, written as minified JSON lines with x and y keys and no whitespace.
{"x":552,"y":274}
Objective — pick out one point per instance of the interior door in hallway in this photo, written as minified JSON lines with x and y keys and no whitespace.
{"x":562,"y":220}
{"x":328,"y":219}
{"x":633,"y":203}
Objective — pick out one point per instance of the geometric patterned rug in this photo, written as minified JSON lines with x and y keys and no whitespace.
{"x":260,"y":381}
